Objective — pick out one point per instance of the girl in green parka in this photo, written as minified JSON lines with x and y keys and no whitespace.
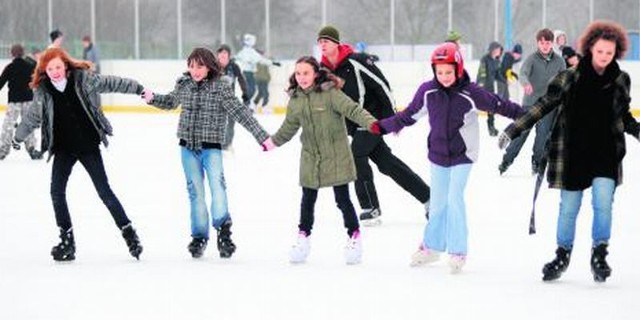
{"x":319,"y":107}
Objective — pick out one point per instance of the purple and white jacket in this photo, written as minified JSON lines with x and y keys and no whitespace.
{"x":453,"y":118}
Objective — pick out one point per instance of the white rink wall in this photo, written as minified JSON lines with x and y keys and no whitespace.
{"x":404,"y":77}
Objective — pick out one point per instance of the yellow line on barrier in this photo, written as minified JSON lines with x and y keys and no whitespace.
{"x":272,"y":110}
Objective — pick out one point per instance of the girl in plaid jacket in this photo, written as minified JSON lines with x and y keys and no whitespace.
{"x":207,"y":102}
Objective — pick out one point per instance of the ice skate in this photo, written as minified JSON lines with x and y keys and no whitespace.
{"x":424,"y":256}
{"x":197,"y":247}
{"x":353,"y":249}
{"x":456,"y":262}
{"x":599,"y":266}
{"x":371,"y":217}
{"x":554,"y":269}
{"x":300,"y":250}
{"x":131,"y":238}
{"x":226,"y":247}
{"x":66,"y":249}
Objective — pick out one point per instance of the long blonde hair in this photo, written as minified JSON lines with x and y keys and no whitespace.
{"x":40,"y":73}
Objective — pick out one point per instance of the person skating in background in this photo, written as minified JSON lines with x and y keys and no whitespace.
{"x":231,"y":73}
{"x":18,"y":75}
{"x":326,"y":159}
{"x":454,"y":37}
{"x":570,"y":56}
{"x":488,"y":78}
{"x":506,"y":74}
{"x":248,"y":58}
{"x":536,"y":72}
{"x":207,"y":101}
{"x":560,"y":41}
{"x":90,"y":53}
{"x":263,"y":77}
{"x":452,"y":102}
{"x":57,"y":38}
{"x":65,"y":104}
{"x":587,"y":143}
{"x":365,"y":84}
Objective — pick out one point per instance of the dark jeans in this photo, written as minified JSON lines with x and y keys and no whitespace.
{"x":341,"y":193}
{"x":63,"y":163}
{"x":263,"y":93}
{"x":251,"y":83}
{"x":543,"y":129}
{"x":367,"y":146}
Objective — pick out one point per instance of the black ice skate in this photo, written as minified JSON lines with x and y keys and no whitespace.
{"x":493,"y":131}
{"x":554,"y":269}
{"x":225,"y":245}
{"x":503,"y":167}
{"x":197,"y":247}
{"x":371,"y":217}
{"x":131,"y":238}
{"x":66,"y":249}
{"x":599,"y":267}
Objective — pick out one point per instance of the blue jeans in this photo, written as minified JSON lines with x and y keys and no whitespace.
{"x":447,"y":226}
{"x":602,"y":190}
{"x":195,"y":164}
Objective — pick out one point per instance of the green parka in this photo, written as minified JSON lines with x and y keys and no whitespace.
{"x":326,"y":159}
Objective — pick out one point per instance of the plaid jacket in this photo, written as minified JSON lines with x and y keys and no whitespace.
{"x":558,"y":96}
{"x":205,"y":109}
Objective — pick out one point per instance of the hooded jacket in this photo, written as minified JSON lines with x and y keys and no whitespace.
{"x":364,"y":83}
{"x":453,"y":118}
{"x":88,"y":86}
{"x":489,"y":68}
{"x":326,"y":158}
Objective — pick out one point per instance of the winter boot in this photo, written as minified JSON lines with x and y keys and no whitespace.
{"x":599,"y":267}
{"x":554,"y":269}
{"x":300,"y":250}
{"x":131,"y":238}
{"x":197,"y":247}
{"x":353,"y":249}
{"x":225,"y":245}
{"x":371,"y":217}
{"x":424,"y":256}
{"x":456,"y":262}
{"x":66,"y":249}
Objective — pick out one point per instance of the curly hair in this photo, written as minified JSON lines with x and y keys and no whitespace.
{"x":606,"y":30}
{"x":40,"y":72}
{"x":322,"y":74}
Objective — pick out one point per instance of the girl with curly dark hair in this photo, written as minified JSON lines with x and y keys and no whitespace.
{"x":587,"y":144}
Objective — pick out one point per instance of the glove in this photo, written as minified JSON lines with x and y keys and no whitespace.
{"x":377,"y":129}
{"x":276,"y":63}
{"x":503,"y":140}
{"x":15,"y":144}
{"x":268,"y":145}
{"x":245,"y":99}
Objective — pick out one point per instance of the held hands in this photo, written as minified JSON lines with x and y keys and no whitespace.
{"x":147,"y":95}
{"x":377,"y":129}
{"x":503,"y":140}
{"x":268,"y":145}
{"x":15,"y":144}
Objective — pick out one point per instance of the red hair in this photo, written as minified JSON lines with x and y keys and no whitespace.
{"x":40,"y":73}
{"x":607,"y":30}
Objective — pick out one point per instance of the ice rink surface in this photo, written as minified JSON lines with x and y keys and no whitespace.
{"x":502,"y":278}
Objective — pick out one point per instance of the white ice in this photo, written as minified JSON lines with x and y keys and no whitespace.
{"x":502,"y":278}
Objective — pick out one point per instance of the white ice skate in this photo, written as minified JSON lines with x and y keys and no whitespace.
{"x":353,"y":249}
{"x":424,"y":256}
{"x":300,"y":250}
{"x":456,"y":262}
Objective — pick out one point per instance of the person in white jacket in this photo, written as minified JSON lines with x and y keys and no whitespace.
{"x":248,"y":57}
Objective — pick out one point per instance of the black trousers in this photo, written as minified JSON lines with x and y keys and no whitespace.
{"x":341,"y":193}
{"x":367,"y":146}
{"x":63,"y":163}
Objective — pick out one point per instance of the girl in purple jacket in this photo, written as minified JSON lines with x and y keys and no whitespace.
{"x":452,"y":103}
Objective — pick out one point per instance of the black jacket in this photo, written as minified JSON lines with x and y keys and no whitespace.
{"x":364,"y":83}
{"x":18,"y":74}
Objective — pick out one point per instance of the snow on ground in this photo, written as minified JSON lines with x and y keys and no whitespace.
{"x":502,"y":278}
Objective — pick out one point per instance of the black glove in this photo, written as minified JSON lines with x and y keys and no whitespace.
{"x":15,"y":144}
{"x":245,"y":99}
{"x":503,"y":140}
{"x":276,"y":63}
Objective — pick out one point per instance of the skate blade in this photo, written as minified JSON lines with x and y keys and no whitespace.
{"x":371,"y":222}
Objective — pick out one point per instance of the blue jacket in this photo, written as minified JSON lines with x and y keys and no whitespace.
{"x":453,"y":118}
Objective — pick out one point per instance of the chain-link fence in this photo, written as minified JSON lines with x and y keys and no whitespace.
{"x":286,"y":29}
